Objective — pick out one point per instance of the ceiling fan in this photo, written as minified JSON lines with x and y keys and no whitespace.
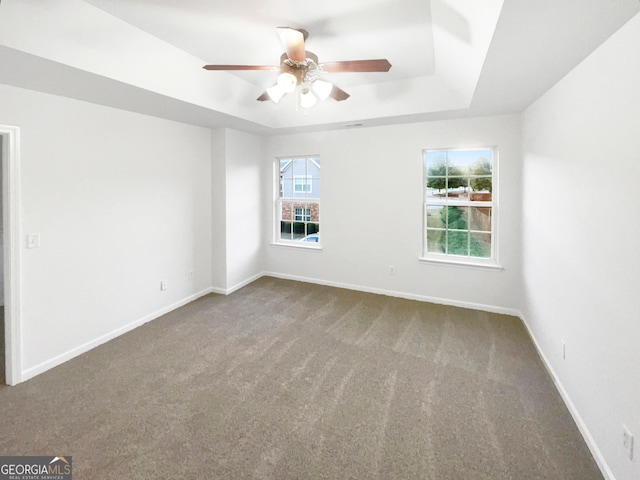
{"x":299,"y":67}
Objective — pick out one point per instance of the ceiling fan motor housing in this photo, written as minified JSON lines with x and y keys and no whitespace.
{"x":300,"y":70}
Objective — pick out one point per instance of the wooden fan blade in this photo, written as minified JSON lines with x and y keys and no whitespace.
{"x":240,"y":67}
{"x":379,"y":65}
{"x":338,"y":94}
{"x":264,"y":97}
{"x":293,"y":42}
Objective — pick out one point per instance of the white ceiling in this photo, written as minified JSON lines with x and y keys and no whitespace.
{"x":450,"y":58}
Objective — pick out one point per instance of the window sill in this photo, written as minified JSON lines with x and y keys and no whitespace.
{"x":300,"y":245}
{"x":461,"y":263}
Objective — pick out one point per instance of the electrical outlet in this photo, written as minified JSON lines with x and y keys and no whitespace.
{"x":392,"y":270}
{"x":627,"y":441}
{"x":564,"y":349}
{"x":163,"y":284}
{"x":33,"y":240}
{"x":191,"y":275}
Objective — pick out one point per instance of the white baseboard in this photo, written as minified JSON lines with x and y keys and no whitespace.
{"x":244,"y":283}
{"x":74,"y":352}
{"x":584,"y":430}
{"x":394,"y":293}
{"x":237,"y":286}
{"x":582,"y":426}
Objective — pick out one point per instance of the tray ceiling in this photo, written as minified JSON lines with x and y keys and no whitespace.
{"x":449,"y":57}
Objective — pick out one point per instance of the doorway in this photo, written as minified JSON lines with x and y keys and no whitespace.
{"x":10,"y":234}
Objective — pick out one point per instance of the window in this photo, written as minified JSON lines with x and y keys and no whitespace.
{"x":298,"y":202}
{"x":459,"y":205}
{"x":302,"y":183}
{"x":302,"y":215}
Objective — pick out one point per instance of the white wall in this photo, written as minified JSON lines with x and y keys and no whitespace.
{"x":219,"y":210}
{"x":121,"y":201}
{"x":246,"y":169}
{"x":238,"y":168}
{"x":371,"y":210}
{"x":581,"y":231}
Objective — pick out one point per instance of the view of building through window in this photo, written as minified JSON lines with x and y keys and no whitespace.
{"x":298,"y":208}
{"x":459,"y":202}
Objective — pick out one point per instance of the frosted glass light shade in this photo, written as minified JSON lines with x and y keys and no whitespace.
{"x":287,"y":81}
{"x":275,"y":93}
{"x":322,"y":88}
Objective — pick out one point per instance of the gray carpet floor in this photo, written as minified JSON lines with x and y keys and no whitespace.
{"x":287,"y":380}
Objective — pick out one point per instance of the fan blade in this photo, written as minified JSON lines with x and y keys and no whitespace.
{"x":241,"y":67}
{"x":293,"y":42}
{"x":338,"y":94}
{"x":263,"y":98}
{"x":379,"y":65}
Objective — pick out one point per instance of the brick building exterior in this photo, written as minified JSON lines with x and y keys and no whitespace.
{"x":289,"y":208}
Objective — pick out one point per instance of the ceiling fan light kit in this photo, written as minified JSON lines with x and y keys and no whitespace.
{"x":300,"y":68}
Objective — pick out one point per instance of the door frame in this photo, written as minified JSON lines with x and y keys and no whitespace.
{"x":11,"y":228}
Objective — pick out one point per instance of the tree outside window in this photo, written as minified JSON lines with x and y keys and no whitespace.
{"x":459,"y":203}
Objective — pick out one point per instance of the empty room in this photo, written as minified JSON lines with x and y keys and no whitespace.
{"x":388,"y":239}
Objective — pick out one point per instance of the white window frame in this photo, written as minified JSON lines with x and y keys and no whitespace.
{"x":278,"y":199}
{"x":453,"y":259}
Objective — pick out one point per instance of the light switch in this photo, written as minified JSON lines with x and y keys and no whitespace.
{"x":33,"y":240}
